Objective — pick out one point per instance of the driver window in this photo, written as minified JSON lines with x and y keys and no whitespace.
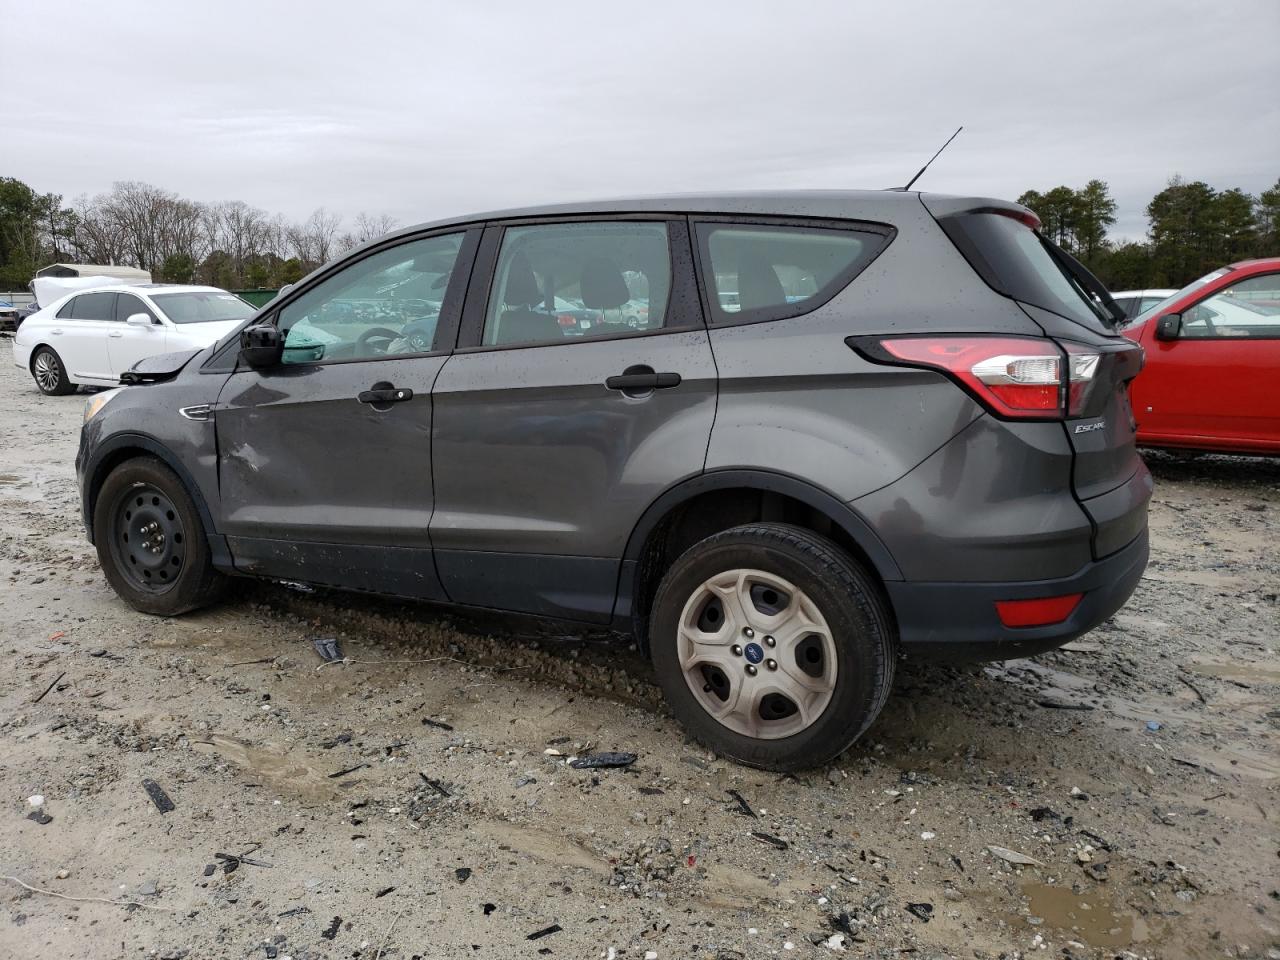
{"x":1248,"y":309}
{"x":386,"y":304}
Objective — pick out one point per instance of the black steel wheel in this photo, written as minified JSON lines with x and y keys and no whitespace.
{"x":150,"y":540}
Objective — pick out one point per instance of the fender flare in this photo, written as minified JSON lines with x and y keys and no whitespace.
{"x":94,"y":476}
{"x":840,"y":513}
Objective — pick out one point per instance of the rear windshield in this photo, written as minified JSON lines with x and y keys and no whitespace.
{"x":1016,"y":261}
{"x":203,"y":306}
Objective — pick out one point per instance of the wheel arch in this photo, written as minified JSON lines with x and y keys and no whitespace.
{"x":111,"y":453}
{"x":676,"y":520}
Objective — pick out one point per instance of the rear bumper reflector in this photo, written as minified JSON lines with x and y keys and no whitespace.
{"x":1039,"y":612}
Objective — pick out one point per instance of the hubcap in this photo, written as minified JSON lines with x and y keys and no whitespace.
{"x":148,"y":539}
{"x":757,"y":654}
{"x":47,"y":371}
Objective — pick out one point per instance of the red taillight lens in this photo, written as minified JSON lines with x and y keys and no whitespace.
{"x":1083,"y":371}
{"x":1041,"y":612}
{"x":567,"y":320}
{"x":1019,"y":378}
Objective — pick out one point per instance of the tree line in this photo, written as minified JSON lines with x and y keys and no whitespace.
{"x":1192,"y":229}
{"x":227,"y":244}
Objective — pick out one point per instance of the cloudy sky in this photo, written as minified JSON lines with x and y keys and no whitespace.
{"x":425,"y":109}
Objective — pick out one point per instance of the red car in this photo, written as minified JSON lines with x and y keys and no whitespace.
{"x":1212,"y":377}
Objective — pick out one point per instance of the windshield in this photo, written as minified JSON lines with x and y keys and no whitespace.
{"x":203,"y":306}
{"x":1191,"y":287}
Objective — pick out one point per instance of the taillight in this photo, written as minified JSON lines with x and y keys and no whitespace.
{"x":567,"y":320}
{"x":1020,"y":378}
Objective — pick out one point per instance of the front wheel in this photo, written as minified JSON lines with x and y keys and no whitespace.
{"x":772,"y":645}
{"x":150,"y":540}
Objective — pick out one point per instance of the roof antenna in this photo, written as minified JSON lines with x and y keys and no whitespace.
{"x":931,"y":159}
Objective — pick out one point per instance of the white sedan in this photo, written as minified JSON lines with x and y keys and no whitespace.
{"x":94,"y":335}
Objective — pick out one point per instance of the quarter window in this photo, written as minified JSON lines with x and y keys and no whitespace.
{"x":760,"y":272}
{"x":67,"y":310}
{"x":1249,"y":309}
{"x":385,"y":304}
{"x":557,"y":283}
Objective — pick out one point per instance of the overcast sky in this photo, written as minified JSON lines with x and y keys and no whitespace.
{"x":421,"y":110}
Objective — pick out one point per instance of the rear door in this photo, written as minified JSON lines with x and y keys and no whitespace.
{"x":83,"y":343}
{"x":1215,"y":386}
{"x":325,"y":467}
{"x":550,"y":440}
{"x":128,"y":343}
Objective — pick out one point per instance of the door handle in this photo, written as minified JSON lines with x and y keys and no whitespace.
{"x":56,"y":331}
{"x":641,"y":379}
{"x":384,"y":393}
{"x":115,"y":334}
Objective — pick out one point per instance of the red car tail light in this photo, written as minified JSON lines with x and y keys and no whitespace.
{"x":567,"y":320}
{"x":1019,"y":378}
{"x":1041,"y":612}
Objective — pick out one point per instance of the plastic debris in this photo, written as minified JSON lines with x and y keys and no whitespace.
{"x":922,"y":910}
{"x":40,"y":817}
{"x":1013,"y":856}
{"x":597,"y":761}
{"x":743,"y":806}
{"x":434,"y":785}
{"x":489,"y":908}
{"x":343,"y":773}
{"x":545,"y":932}
{"x":331,"y":931}
{"x":1153,"y":725}
{"x":463,"y":874}
{"x":438,"y":724}
{"x":158,"y":796}
{"x":383,"y":892}
{"x":327,"y":648}
{"x":770,"y":839}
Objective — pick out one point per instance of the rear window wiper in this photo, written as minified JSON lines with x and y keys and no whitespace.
{"x":1090,"y":284}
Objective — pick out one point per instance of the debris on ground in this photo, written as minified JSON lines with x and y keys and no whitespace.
{"x":327,"y":648}
{"x":158,"y":796}
{"x":770,"y":839}
{"x":743,"y":806}
{"x":599,"y":761}
{"x":545,"y":932}
{"x":1013,"y":856}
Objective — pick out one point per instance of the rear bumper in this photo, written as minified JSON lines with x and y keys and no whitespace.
{"x":958,"y":621}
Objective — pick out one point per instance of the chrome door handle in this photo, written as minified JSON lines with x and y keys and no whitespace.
{"x":56,"y":331}
{"x":115,"y":333}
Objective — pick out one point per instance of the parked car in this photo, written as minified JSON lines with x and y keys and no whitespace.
{"x":1213,"y":363}
{"x":1134,"y":302}
{"x":8,"y":315}
{"x":93,"y":336}
{"x":932,"y":453}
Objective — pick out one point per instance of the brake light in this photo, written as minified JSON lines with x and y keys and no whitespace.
{"x":566,"y":320}
{"x":1041,"y":612}
{"x":1020,"y":378}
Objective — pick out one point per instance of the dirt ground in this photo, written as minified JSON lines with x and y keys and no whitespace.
{"x":417,"y":801}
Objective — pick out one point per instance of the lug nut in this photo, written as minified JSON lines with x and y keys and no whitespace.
{"x":771,"y":664}
{"x":737,"y":650}
{"x":770,"y":642}
{"x":751,"y":671}
{"x":748,"y":632}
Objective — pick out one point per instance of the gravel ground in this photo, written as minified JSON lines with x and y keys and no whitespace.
{"x":417,"y":801}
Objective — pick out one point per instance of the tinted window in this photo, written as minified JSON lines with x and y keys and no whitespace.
{"x":1016,"y":261}
{"x":203,"y":306}
{"x":1147,"y":304}
{"x":1248,"y":309}
{"x":67,"y":310}
{"x":760,"y":272}
{"x":127,"y":305}
{"x":387,"y":303}
{"x":95,"y":306}
{"x":559,"y":282}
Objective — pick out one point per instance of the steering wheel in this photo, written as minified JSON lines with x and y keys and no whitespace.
{"x":376,"y":333}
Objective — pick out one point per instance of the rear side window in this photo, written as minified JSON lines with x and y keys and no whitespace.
{"x":1016,"y":261}
{"x":757,"y":272}
{"x":95,"y":306}
{"x":67,"y":310}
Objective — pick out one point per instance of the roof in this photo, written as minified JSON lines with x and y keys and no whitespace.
{"x":93,"y":270}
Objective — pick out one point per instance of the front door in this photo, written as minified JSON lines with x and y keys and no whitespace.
{"x":128,"y":343}
{"x":83,"y":342}
{"x":325,"y":459}
{"x":582,"y":388}
{"x":1215,"y":384}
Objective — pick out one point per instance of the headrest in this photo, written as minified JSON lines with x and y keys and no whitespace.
{"x":522,"y":285}
{"x":758,"y":283}
{"x":603,"y":286}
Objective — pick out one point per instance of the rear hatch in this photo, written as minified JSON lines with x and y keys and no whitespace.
{"x":1074,"y":310}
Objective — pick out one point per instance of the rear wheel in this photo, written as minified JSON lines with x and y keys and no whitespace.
{"x":772,"y":645}
{"x":150,"y":540}
{"x":50,"y":374}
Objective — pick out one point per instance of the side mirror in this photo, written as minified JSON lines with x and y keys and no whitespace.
{"x":261,"y":345}
{"x":1169,"y":327}
{"x":139,"y":319}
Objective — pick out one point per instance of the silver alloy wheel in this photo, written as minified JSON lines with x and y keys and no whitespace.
{"x":47,"y":372}
{"x":757,"y":654}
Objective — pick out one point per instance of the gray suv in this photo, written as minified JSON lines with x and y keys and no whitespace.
{"x":842,"y":427}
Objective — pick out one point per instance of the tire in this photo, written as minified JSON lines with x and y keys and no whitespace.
{"x":150,"y":541}
{"x":50,"y":373}
{"x":787,"y":574}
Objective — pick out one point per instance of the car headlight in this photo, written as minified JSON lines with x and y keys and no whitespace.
{"x":97,"y":402}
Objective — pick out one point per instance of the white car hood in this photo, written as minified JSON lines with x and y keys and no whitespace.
{"x":203,"y":334}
